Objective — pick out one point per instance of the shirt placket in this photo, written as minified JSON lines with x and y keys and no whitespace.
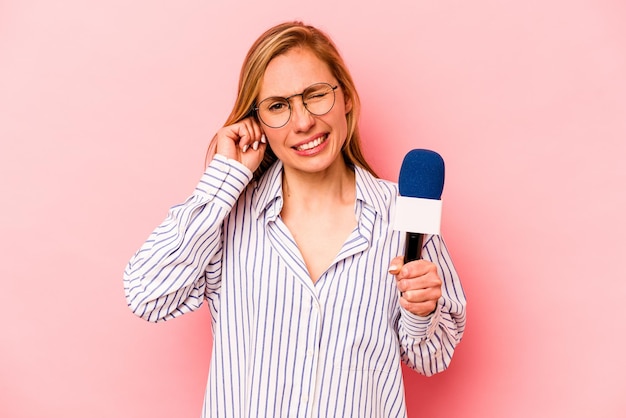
{"x":308,"y":356}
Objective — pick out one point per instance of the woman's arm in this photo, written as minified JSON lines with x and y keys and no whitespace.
{"x":166,"y":277}
{"x":427,"y":343}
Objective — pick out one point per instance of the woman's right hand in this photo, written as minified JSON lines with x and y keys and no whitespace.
{"x":243,"y":141}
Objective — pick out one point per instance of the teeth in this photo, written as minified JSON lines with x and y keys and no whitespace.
{"x":311,"y":144}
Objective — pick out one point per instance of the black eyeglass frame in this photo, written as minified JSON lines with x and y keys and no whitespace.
{"x":255,"y":109}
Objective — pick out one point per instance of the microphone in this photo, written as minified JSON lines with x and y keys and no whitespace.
{"x":418,"y":208}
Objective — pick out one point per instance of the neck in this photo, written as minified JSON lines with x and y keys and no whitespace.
{"x":333,"y":186}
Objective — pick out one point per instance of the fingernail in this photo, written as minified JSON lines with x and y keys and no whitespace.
{"x":393,"y":268}
{"x":245,"y":148}
{"x":263,"y":139}
{"x":255,"y":146}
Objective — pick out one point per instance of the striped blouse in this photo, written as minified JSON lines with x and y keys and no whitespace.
{"x":284,"y":346}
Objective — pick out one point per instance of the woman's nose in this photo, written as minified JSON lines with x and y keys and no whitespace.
{"x":301,"y":118}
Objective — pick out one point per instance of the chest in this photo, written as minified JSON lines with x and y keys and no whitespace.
{"x":320,"y":239}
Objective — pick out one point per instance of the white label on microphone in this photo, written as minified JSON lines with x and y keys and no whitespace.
{"x":414,"y":214}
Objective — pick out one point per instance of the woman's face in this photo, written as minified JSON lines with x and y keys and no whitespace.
{"x":307,"y":143}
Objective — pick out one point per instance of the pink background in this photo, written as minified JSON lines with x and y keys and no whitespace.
{"x":106,"y":109}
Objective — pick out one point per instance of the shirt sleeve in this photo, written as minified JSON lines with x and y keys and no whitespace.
{"x":427,"y":343}
{"x":166,"y":277}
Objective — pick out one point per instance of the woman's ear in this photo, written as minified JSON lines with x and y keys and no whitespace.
{"x":347,"y":103}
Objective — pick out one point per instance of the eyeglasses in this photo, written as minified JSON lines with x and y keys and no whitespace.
{"x":318,"y":99}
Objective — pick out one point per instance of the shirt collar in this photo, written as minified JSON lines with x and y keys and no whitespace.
{"x":268,"y":195}
{"x":371,"y":192}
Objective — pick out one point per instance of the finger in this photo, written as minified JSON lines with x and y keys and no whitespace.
{"x":256,"y":128}
{"x":396,"y":265}
{"x":426,"y":281}
{"x":416,"y":268}
{"x":250,"y":135}
{"x":421,"y":295}
{"x":245,"y":132}
{"x":259,"y":136}
{"x":420,"y":309}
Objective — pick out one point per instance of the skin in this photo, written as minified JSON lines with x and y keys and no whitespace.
{"x":319,"y":189}
{"x":418,"y":283}
{"x":289,"y":74}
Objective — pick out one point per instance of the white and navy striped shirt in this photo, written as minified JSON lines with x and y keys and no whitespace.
{"x":283,"y":345}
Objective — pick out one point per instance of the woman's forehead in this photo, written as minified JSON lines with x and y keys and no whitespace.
{"x":292,"y":72}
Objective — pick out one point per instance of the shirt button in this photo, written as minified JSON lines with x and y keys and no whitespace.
{"x":310,"y":353}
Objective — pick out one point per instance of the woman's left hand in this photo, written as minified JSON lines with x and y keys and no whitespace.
{"x":419,"y":285}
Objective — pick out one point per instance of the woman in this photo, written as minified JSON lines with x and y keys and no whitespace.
{"x":298,"y":262}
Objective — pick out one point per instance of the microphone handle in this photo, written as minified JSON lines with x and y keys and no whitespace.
{"x":413,"y":246}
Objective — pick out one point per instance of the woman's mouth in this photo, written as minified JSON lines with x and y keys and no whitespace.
{"x":312,"y":144}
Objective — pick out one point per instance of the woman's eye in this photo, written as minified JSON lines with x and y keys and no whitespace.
{"x":277,"y":106}
{"x":316,"y":95}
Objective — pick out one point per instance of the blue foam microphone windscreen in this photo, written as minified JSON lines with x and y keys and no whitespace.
{"x":422,"y":175}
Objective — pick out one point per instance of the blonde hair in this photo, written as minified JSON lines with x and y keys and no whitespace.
{"x":276,"y":41}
